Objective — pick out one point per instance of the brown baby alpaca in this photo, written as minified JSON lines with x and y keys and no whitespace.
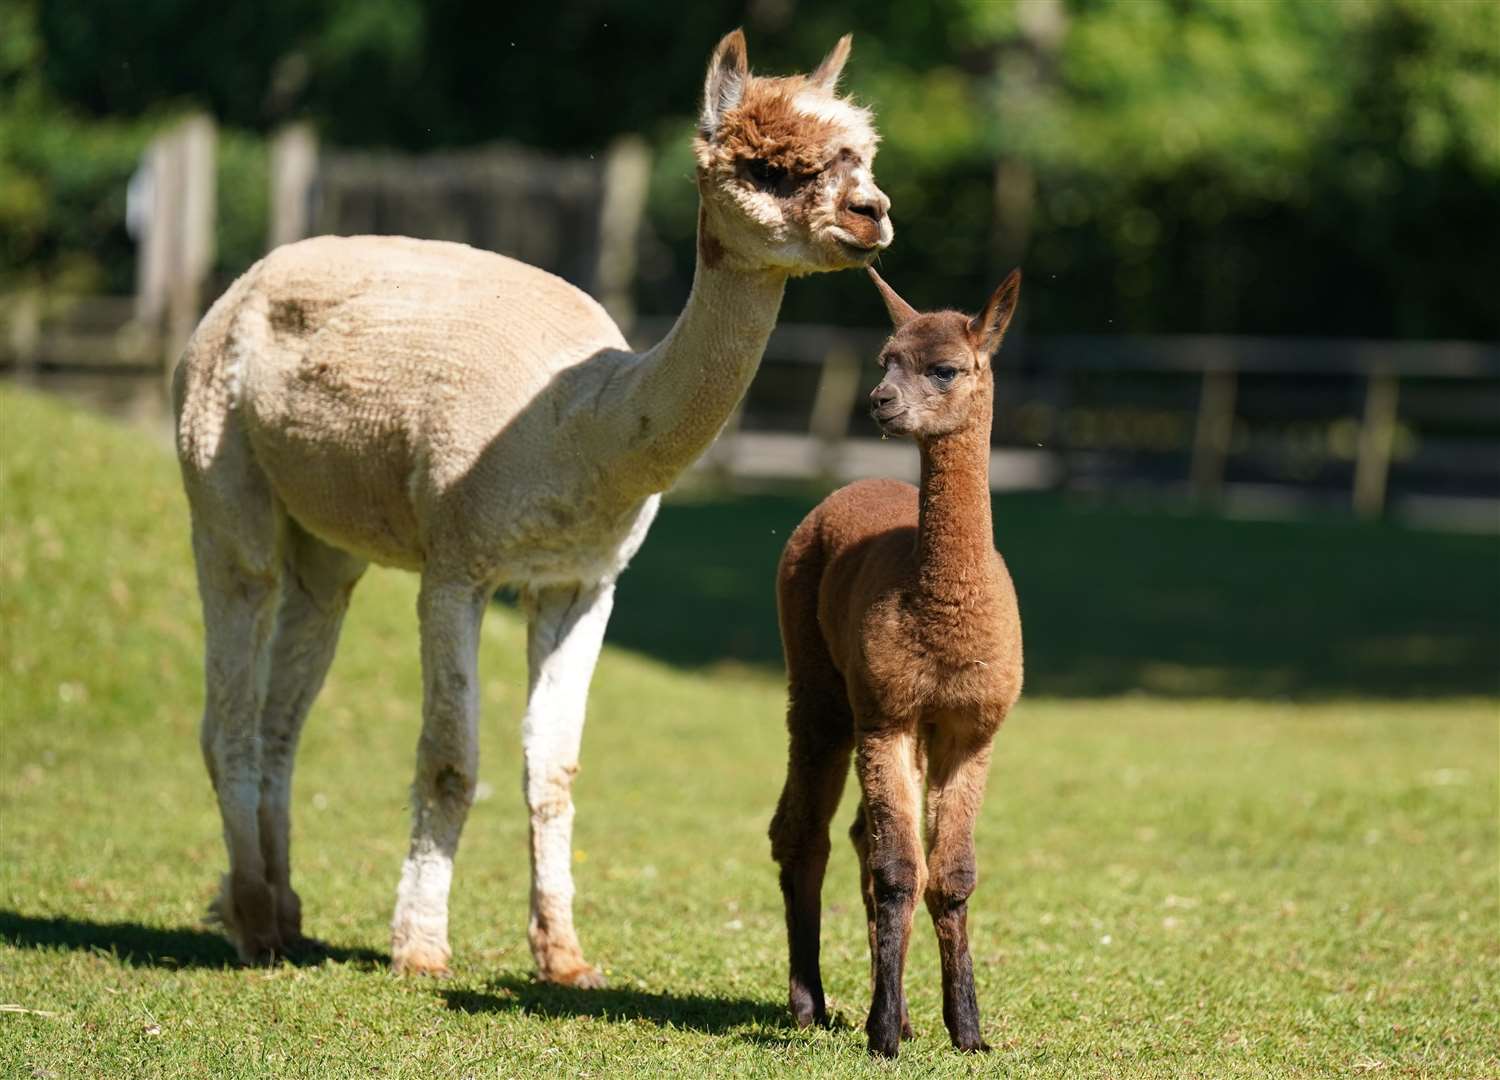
{"x":903,"y":644}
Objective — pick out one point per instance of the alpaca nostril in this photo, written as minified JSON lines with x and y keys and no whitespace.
{"x":880,"y":399}
{"x":869,"y":210}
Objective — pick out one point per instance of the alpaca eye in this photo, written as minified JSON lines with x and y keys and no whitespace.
{"x":942,"y":374}
{"x":764,"y":173}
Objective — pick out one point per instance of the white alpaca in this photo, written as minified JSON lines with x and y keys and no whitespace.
{"x":457,"y":413}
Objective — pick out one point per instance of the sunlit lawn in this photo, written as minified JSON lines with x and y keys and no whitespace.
{"x":1170,"y":885}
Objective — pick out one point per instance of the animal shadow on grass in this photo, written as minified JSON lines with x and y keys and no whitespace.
{"x":154,"y":946}
{"x":693,"y":1012}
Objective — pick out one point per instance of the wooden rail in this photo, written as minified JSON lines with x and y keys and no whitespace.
{"x":1219,"y":363}
{"x":104,"y":336}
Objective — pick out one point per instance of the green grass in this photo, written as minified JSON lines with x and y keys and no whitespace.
{"x":1171,"y":885}
{"x":1117,"y":600}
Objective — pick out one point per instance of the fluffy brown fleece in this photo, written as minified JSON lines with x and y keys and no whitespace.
{"x":903,"y":647}
{"x":769,"y":124}
{"x":793,"y":140}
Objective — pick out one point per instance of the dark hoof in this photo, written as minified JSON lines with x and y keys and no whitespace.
{"x":976,"y":1046}
{"x":811,"y":1019}
{"x":808,"y":1010}
{"x":885,"y":1038}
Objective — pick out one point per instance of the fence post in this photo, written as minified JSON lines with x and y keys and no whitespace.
{"x":1211,"y":439}
{"x":177,"y":245}
{"x":156,"y":241}
{"x":26,"y":333}
{"x":294,"y":169}
{"x":837,"y":386}
{"x":627,"y":175}
{"x":1377,"y":434}
{"x":196,"y":255}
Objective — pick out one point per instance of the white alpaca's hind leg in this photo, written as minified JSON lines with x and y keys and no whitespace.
{"x":238,"y":584}
{"x":564,"y":637}
{"x":316,"y":584}
{"x":238,"y":527}
{"x":447,"y":760}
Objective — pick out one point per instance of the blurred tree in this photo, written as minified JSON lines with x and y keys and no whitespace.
{"x":1266,"y":168}
{"x":1156,"y":165}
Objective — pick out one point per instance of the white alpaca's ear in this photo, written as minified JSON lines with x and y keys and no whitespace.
{"x":987,"y":329}
{"x":898,"y":309}
{"x":728,"y":71}
{"x":826,"y":76}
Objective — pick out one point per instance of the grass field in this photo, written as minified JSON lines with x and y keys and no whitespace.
{"x":1244,"y":824}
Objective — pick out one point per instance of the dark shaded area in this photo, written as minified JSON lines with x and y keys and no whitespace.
{"x":694,"y":1012}
{"x":153,"y":946}
{"x":1116,"y":600}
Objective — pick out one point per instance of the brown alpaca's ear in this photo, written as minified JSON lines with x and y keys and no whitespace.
{"x":826,"y":76}
{"x":988,"y":327}
{"x":728,"y":71}
{"x":899,"y":310}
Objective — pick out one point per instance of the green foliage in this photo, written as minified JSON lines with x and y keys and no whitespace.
{"x":62,"y":198}
{"x":1265,"y":167}
{"x":1167,"y":887}
{"x":1156,"y":165}
{"x":244,"y":196}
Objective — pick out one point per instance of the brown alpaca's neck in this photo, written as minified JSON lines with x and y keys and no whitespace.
{"x":955,"y":533}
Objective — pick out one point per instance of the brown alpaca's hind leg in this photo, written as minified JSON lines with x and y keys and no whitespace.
{"x":955,"y":792}
{"x":817,"y":765}
{"x":890,"y":780}
{"x":859,"y":835}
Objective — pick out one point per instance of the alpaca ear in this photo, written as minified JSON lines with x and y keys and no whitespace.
{"x":826,"y":77}
{"x":728,"y":71}
{"x":988,"y":327}
{"x":899,"y":310}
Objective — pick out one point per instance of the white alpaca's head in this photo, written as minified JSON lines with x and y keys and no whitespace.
{"x":785,"y":169}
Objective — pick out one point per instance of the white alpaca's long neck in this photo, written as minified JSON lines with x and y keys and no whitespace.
{"x":682,"y":391}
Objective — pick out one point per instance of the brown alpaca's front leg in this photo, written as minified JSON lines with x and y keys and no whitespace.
{"x":889,"y":777}
{"x":955,"y":792}
{"x":859,"y":833}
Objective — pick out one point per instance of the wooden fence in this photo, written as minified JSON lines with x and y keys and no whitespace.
{"x":1183,"y":412}
{"x":1195,"y":414}
{"x":577,"y":217}
{"x":1048,"y":423}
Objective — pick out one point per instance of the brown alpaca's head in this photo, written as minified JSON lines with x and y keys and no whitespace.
{"x":937,"y":365}
{"x":784,"y":169}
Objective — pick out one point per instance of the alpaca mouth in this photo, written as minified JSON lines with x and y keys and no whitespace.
{"x":891,"y":421}
{"x":860,"y":250}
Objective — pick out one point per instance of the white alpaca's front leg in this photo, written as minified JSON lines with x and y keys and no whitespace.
{"x":447,"y":764}
{"x":563,"y":640}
